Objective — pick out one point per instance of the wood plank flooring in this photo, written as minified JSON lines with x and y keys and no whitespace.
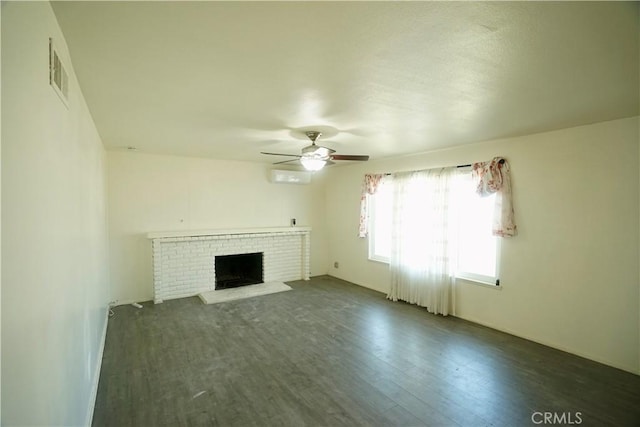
{"x":330,"y":353}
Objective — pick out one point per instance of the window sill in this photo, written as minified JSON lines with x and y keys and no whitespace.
{"x":380,"y":260}
{"x":480,"y":282}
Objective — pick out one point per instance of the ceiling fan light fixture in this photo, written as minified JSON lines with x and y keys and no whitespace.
{"x":312,"y":164}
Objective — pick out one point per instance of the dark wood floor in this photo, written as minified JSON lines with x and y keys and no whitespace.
{"x":330,"y":353}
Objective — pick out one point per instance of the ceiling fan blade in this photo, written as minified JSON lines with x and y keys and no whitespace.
{"x":280,"y":154}
{"x":285,"y":161}
{"x":359,"y":158}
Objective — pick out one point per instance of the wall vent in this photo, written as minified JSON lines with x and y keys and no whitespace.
{"x":58,"y":78}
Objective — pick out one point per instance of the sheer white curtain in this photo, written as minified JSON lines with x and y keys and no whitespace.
{"x":422,"y":239}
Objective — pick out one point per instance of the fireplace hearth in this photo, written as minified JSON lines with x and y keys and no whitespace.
{"x":237,"y":270}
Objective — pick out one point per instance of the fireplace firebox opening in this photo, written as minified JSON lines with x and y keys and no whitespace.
{"x":237,"y":270}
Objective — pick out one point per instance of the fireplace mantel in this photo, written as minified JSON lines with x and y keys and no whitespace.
{"x":219,"y":232}
{"x":183,"y":261}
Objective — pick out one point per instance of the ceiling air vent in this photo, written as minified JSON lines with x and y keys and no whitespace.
{"x":58,"y":78}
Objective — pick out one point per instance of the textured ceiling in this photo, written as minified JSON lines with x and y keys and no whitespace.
{"x":230,"y":79}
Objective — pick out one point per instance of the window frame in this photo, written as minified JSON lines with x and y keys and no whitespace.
{"x":373,"y":207}
{"x":468,"y":276}
{"x":481,"y":278}
{"x":476,"y":278}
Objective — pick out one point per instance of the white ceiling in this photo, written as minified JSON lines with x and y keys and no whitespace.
{"x":230,"y":79}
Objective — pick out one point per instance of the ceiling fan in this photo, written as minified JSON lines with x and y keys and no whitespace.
{"x":315,"y":157}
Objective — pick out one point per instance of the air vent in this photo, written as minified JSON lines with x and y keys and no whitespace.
{"x":58,"y":78}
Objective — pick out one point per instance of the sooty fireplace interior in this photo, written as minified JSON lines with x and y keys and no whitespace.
{"x":238,"y":270}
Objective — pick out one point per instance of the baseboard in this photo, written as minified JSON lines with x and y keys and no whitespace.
{"x":129,"y":302}
{"x":362,"y":285}
{"x":548,"y":344}
{"x":96,"y":377}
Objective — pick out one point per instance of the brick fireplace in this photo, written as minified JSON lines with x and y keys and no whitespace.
{"x":184,"y":261}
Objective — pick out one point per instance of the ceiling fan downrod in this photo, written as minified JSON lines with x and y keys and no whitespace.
{"x":313,"y":135}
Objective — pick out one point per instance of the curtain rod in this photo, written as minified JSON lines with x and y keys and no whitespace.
{"x":501,"y":161}
{"x":459,"y":166}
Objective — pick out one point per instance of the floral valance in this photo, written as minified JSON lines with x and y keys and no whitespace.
{"x":369,"y":186}
{"x":495,"y":177}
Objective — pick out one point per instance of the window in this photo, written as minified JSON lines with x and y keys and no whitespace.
{"x":380,"y":208}
{"x":477,"y":249}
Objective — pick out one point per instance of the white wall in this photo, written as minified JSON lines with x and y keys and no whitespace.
{"x":54,"y":239}
{"x":165,"y":193}
{"x":0,"y":221}
{"x":570,"y":278}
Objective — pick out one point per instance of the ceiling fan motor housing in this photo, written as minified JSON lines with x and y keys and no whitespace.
{"x":314,"y":150}
{"x":310,"y":150}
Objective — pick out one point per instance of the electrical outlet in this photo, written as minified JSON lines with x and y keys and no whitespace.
{"x":336,"y":264}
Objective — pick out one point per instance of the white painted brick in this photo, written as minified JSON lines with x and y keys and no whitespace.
{"x":184,"y":266}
